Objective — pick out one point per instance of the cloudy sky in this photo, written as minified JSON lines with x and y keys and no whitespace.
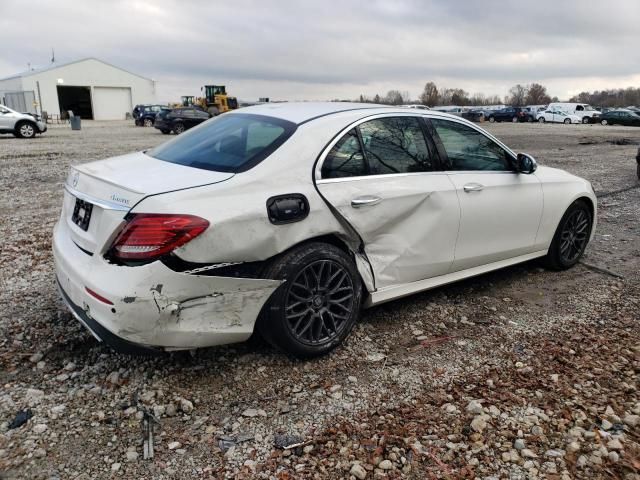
{"x":320,"y":50}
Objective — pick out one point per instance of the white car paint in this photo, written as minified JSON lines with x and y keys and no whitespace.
{"x":585,"y":112}
{"x":557,"y":116}
{"x":422,"y":230}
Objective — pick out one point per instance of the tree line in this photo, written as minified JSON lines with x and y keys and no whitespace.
{"x":615,"y":97}
{"x":432,"y":96}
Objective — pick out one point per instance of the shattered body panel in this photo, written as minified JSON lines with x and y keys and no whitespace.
{"x":157,"y":306}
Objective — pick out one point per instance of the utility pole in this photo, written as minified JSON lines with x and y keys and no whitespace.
{"x":39,"y":97}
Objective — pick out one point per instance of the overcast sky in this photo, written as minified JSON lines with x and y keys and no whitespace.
{"x":320,"y":50}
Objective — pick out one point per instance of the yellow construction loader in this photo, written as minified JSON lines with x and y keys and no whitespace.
{"x":216,"y":100}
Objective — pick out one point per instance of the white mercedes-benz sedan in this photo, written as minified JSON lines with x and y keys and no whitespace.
{"x":290,"y":218}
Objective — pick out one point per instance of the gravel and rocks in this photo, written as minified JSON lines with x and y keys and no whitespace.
{"x":522,"y":373}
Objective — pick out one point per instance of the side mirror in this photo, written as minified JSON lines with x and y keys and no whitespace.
{"x":526,"y":163}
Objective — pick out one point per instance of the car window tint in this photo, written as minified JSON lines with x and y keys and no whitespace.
{"x":228,"y":143}
{"x":395,"y":145}
{"x":469,"y":149}
{"x":345,"y":158}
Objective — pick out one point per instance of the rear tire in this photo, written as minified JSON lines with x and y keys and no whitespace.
{"x":586,"y":120}
{"x":148,"y":122}
{"x":316,"y":307}
{"x":25,"y":130}
{"x":541,"y":120}
{"x":604,"y":122}
{"x":514,"y":120}
{"x":178,"y":128}
{"x":492,"y":119}
{"x":571,"y":237}
{"x":567,"y":121}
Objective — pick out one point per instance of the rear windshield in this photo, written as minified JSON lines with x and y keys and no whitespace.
{"x":228,"y":143}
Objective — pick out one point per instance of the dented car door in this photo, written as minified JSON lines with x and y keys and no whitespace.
{"x":382,"y":178}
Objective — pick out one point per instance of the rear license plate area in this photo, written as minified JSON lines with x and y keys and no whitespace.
{"x":82,"y":214}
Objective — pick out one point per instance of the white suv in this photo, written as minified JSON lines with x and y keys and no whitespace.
{"x":22,"y":125}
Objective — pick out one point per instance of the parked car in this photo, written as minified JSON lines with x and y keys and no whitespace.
{"x":21,"y":125}
{"x":419,"y":106}
{"x":145,"y":115}
{"x":476,"y":115}
{"x":620,"y":117}
{"x":510,"y":114}
{"x":586,"y":112}
{"x":290,"y":218}
{"x":556,"y":116}
{"x":180,"y":119}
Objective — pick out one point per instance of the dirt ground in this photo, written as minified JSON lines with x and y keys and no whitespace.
{"x":521,"y":373}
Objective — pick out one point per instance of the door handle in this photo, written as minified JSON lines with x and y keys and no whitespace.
{"x":473,"y":187}
{"x":365,"y":201}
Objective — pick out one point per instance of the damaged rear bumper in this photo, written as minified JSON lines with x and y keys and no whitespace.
{"x":152,"y":306}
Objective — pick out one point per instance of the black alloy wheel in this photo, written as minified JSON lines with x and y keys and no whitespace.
{"x":179,"y":128}
{"x":571,"y":237}
{"x":574,"y":236}
{"x":319,"y":302}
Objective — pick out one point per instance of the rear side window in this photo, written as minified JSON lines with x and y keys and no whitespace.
{"x":395,"y":145}
{"x":345,"y":158}
{"x":228,"y":143}
{"x":468,"y":149}
{"x":391,"y":145}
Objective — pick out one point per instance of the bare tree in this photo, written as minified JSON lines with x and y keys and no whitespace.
{"x":394,"y":97}
{"x":537,"y":95}
{"x":377,"y":99}
{"x":429,"y":95}
{"x":517,"y":95}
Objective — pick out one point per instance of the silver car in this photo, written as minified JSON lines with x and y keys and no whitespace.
{"x":22,"y":125}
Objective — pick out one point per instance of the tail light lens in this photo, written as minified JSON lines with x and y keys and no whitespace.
{"x":148,"y":236}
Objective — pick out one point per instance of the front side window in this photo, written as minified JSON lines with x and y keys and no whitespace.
{"x":233,"y":142}
{"x":395,"y":145}
{"x":468,"y":149}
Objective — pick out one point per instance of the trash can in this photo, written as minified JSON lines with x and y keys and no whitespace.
{"x":75,"y":122}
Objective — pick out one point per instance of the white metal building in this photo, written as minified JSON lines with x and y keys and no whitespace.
{"x":89,"y":87}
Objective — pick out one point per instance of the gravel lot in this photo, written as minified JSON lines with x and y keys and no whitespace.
{"x":521,"y":373}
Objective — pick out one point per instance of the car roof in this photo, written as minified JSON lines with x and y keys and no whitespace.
{"x":301,"y":112}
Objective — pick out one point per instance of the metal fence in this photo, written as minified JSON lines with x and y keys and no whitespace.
{"x":21,"y":101}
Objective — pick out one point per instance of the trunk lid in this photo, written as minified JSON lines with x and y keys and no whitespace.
{"x":111,"y":187}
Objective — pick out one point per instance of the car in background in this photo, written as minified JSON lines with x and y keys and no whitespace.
{"x":620,"y":117}
{"x":21,"y":125}
{"x":586,"y":112}
{"x":556,"y":116}
{"x":510,"y":114}
{"x":289,"y":219}
{"x":145,"y":115}
{"x":419,"y":106}
{"x":476,"y":115}
{"x":180,"y":119}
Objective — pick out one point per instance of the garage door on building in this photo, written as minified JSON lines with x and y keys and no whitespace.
{"x":111,"y":103}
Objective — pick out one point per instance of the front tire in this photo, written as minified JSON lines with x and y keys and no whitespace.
{"x":25,"y":130}
{"x":571,"y":237}
{"x":514,"y":120}
{"x":586,"y":120}
{"x":567,"y":121}
{"x":541,"y":120}
{"x":492,"y":119}
{"x":604,"y":122}
{"x":316,"y":307}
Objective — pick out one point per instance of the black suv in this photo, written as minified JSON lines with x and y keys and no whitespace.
{"x":145,"y":115}
{"x":511,"y":114}
{"x":180,"y":119}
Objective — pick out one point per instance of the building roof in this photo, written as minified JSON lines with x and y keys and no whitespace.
{"x":53,"y":66}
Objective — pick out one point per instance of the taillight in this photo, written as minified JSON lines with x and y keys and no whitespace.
{"x":148,"y":236}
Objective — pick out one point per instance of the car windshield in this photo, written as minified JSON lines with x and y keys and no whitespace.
{"x":228,"y":143}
